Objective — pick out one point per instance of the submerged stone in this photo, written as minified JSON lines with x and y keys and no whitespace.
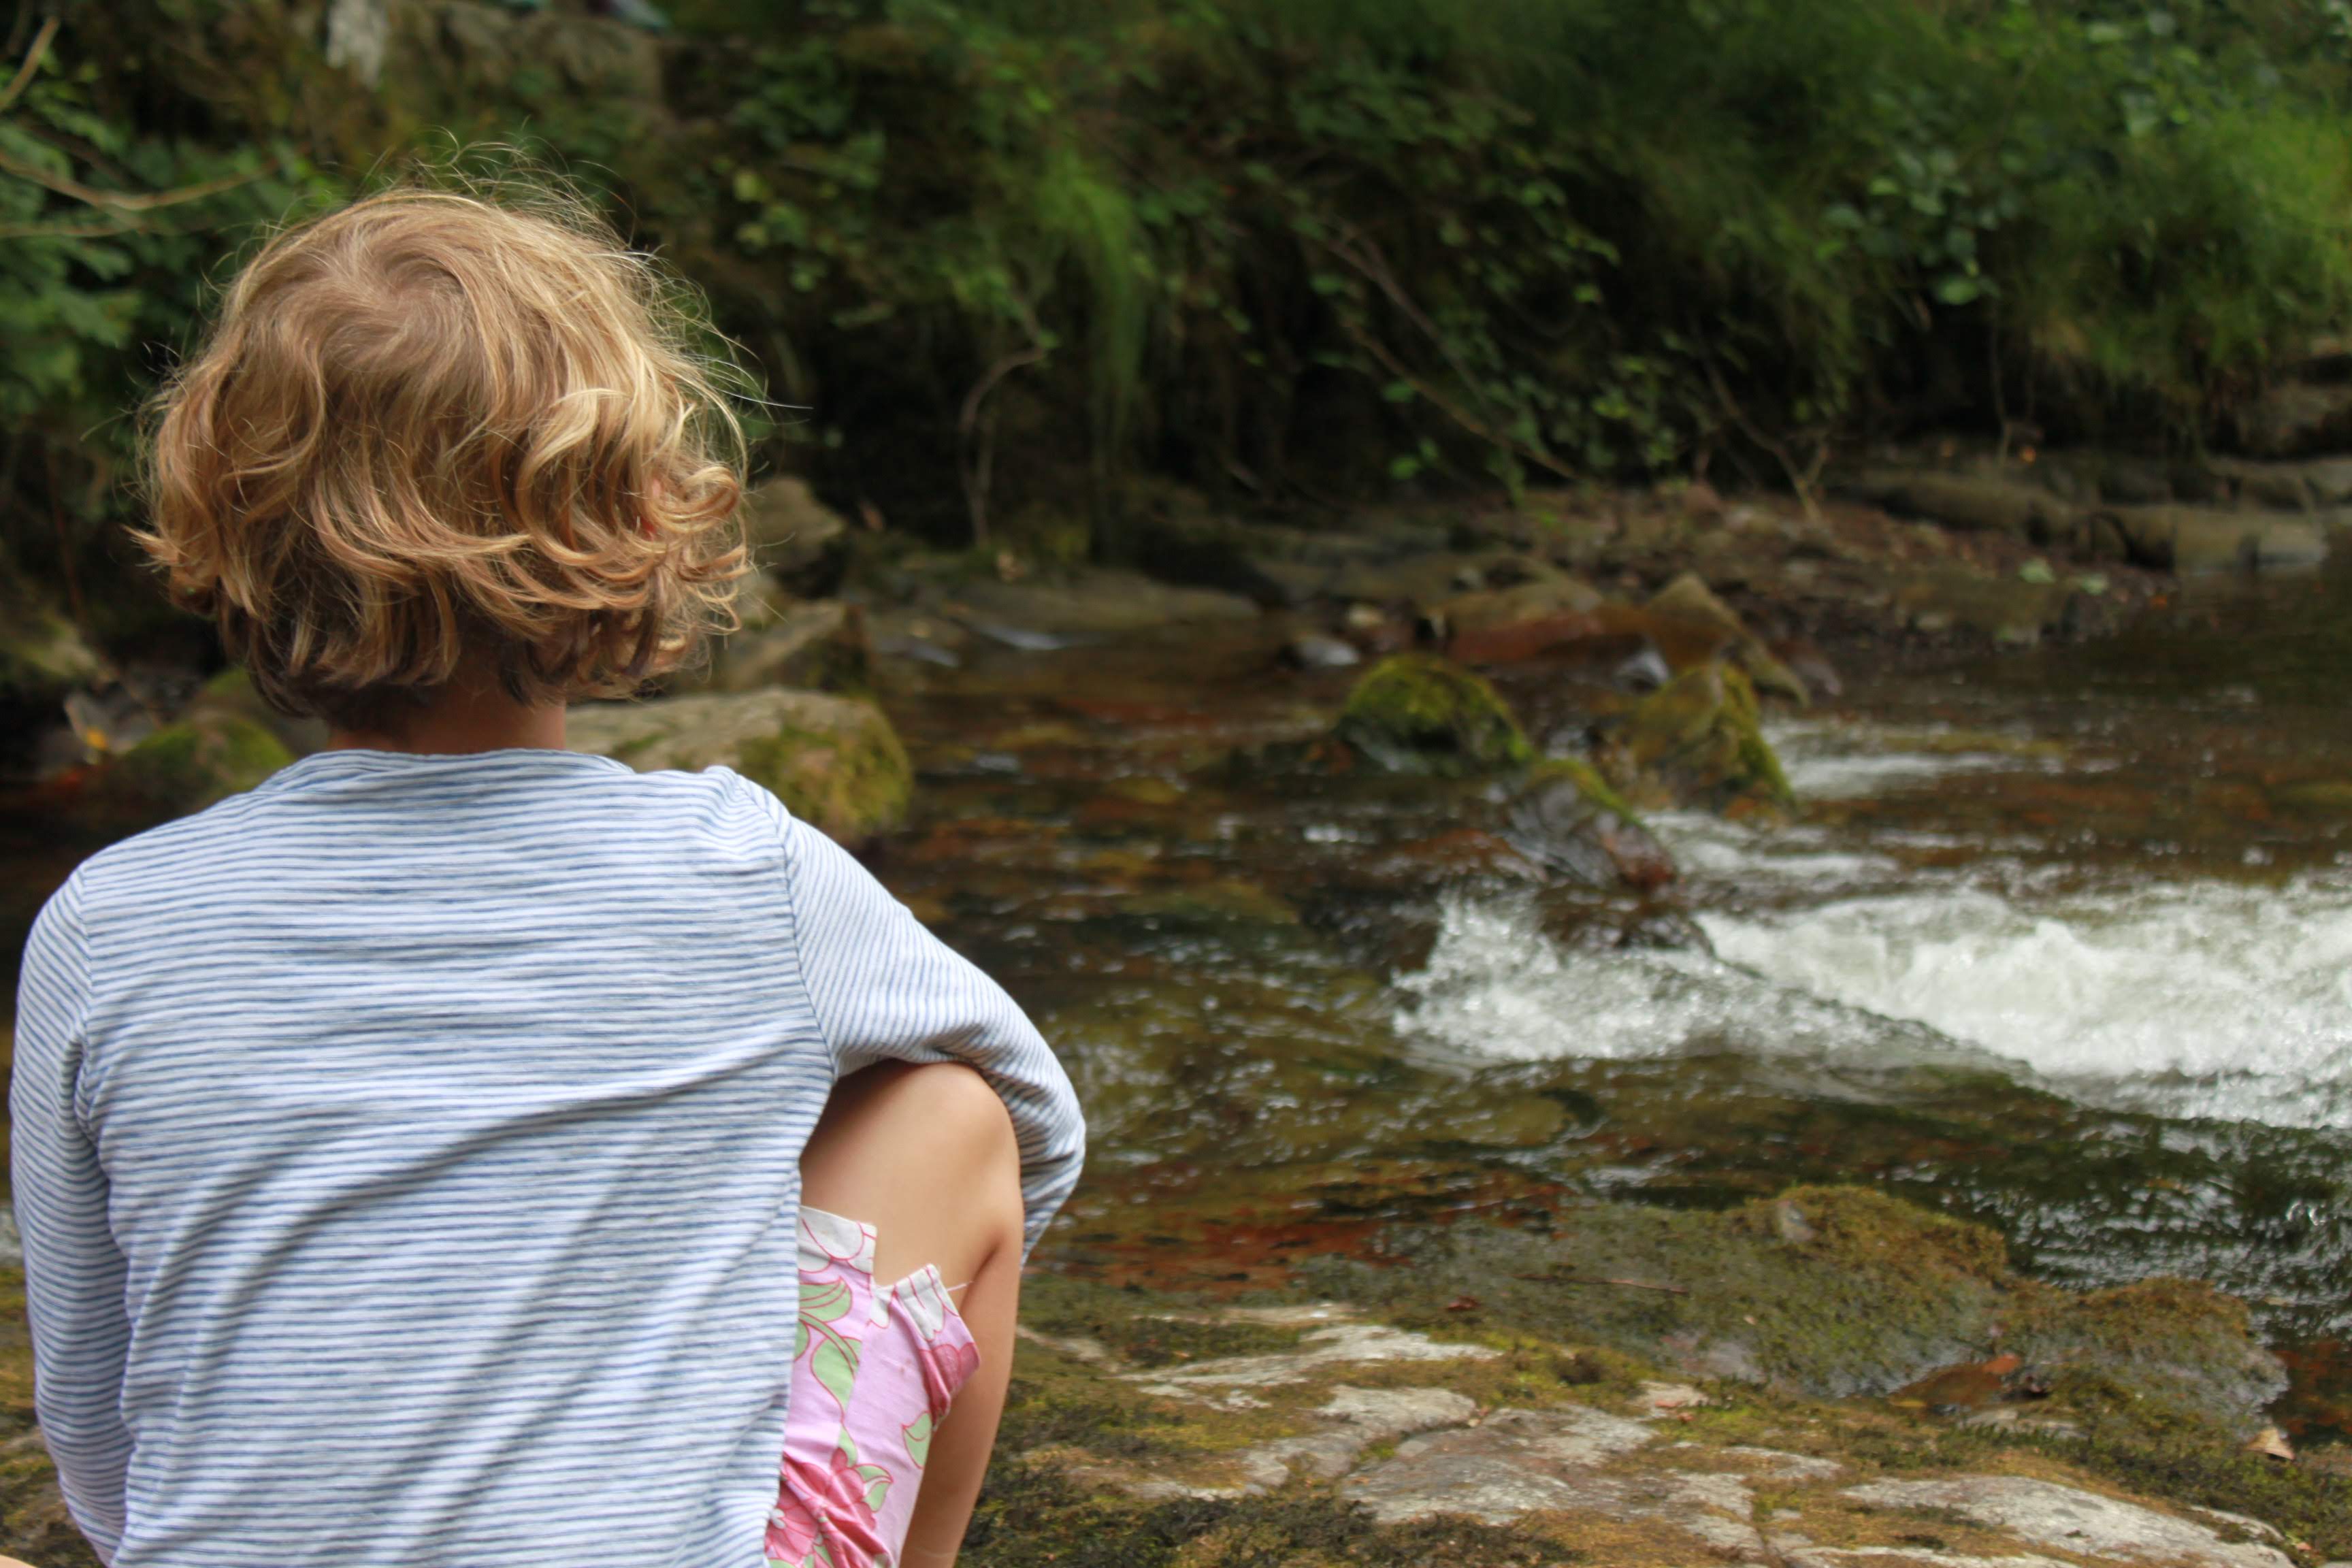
{"x":1414,"y":714}
{"x":1566,"y":818}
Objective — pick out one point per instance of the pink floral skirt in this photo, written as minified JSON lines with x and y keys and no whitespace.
{"x":873,"y":1374}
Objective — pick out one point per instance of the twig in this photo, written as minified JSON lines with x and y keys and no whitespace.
{"x":980,"y":442}
{"x":1590,"y":1280}
{"x":1803,"y":481}
{"x":1462,"y":417}
{"x":24,"y":77}
{"x":121,"y":201}
{"x":1374,"y":265}
{"x":66,"y":230}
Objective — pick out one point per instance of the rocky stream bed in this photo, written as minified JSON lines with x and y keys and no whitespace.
{"x":1623,"y":1029}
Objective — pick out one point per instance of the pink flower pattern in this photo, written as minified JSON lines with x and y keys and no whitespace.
{"x":873,"y":1374}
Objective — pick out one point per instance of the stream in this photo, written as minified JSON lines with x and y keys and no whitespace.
{"x":2062,"y":941}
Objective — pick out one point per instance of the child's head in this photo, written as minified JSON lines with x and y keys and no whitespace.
{"x":429,"y":434}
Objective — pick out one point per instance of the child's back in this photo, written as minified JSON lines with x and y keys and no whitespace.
{"x":450,"y":1109}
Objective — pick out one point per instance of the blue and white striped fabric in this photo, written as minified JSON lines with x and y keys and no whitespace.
{"x":407,"y":1155}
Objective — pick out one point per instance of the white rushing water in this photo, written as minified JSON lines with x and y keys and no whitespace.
{"x":2199,"y":998}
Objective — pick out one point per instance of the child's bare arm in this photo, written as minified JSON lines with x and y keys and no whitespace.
{"x":885,"y":989}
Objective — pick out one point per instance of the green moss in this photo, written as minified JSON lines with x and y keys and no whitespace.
{"x":1414,"y":713}
{"x":1032,"y":1515}
{"x":1701,"y":737}
{"x":852,"y":782}
{"x":1146,"y":1330}
{"x":187,"y":766}
{"x":1588,"y":781}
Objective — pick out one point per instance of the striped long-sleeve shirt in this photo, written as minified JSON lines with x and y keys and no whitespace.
{"x":407,"y":1154}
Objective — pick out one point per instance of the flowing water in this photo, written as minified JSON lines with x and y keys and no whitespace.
{"x":2062,"y":941}
{"x":2059,"y":941}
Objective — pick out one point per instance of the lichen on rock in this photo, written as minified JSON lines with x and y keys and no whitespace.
{"x":1415,"y":714}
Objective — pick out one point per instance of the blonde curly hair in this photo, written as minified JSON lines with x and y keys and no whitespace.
{"x":430,"y":429}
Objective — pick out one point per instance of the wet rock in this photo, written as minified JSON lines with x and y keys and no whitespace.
{"x":2295,"y":419}
{"x":2071,"y":1519}
{"x":2193,"y":539}
{"x":821,"y":646}
{"x":1423,"y":580}
{"x":835,"y":761}
{"x":1093,"y":603}
{"x":1414,"y":714}
{"x":1313,"y":650}
{"x":1688,"y":598}
{"x":203,"y":758}
{"x":1971,"y":502}
{"x":2007,"y":611}
{"x":795,"y":538}
{"x":1701,"y":736}
{"x":1644,"y":670}
{"x":1543,"y":598}
{"x":1569,"y":820}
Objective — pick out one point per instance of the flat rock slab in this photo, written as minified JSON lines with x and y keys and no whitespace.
{"x":1225,"y":1380}
{"x":1092,"y":603}
{"x":1552,"y":1462}
{"x":2071,"y":1519}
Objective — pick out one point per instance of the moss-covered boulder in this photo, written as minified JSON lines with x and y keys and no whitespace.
{"x":41,"y":653}
{"x":1699,"y":740}
{"x":1414,"y":714}
{"x":206,"y":757}
{"x":835,"y":761}
{"x":1566,"y":818}
{"x":1834,"y":1292}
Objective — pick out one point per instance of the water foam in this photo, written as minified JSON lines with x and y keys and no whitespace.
{"x":2201,"y":999}
{"x":2197,"y":999}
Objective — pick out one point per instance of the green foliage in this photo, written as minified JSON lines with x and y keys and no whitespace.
{"x":1002,"y":250}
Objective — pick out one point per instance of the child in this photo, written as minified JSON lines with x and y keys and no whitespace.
{"x":411,"y":1154}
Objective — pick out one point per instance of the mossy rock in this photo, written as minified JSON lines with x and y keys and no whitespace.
{"x":1700,"y":739}
{"x":1414,"y":714}
{"x":207,"y":757}
{"x":41,"y":653}
{"x":835,"y":761}
{"x":1833,"y":1292}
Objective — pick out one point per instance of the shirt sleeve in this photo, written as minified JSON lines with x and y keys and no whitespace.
{"x":886,"y":989}
{"x":73,"y":1269}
